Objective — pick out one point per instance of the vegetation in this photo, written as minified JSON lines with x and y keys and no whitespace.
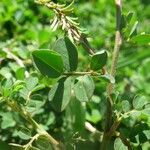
{"x":74,"y":75}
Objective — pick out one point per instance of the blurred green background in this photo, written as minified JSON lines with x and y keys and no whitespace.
{"x":25,"y":26}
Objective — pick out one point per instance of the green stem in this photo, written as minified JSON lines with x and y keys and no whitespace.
{"x":27,"y":116}
{"x":81,"y":73}
{"x":118,"y":42}
{"x":109,"y":128}
{"x":17,"y":59}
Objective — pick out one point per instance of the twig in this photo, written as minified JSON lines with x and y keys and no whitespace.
{"x":27,"y":116}
{"x":29,"y":144}
{"x":94,"y":132}
{"x":86,"y":45}
{"x":118,"y":42}
{"x":77,"y":73}
{"x":81,"y":73}
{"x":114,"y":127}
{"x":92,"y":129}
{"x":18,"y":61}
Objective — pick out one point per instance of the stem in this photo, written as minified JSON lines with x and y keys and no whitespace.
{"x":81,"y":73}
{"x":109,"y":130}
{"x":27,"y":116}
{"x":94,"y":132}
{"x":92,"y":129}
{"x":56,"y":145}
{"x":77,"y":73}
{"x":114,"y":127}
{"x":86,"y":45}
{"x":29,"y":144}
{"x":118,"y":42}
{"x":18,"y":60}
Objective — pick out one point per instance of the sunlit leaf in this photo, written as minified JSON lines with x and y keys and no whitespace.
{"x":24,"y":133}
{"x":118,"y":145}
{"x":133,"y":31}
{"x":48,"y":62}
{"x":68,"y":52}
{"x":141,"y":39}
{"x":84,"y":88}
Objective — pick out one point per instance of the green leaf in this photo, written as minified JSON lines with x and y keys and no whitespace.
{"x":129,"y":17}
{"x":43,"y":143}
{"x":2,"y":54}
{"x":139,"y":102}
{"x":38,"y":87}
{"x":24,"y":133}
{"x":99,"y":60}
{"x":147,"y":134}
{"x":48,"y":62}
{"x":6,"y":86}
{"x":16,"y":146}
{"x":34,"y":148}
{"x":60,"y":94}
{"x":108,"y":78}
{"x":118,"y":145}
{"x":35,"y":103}
{"x":45,"y":45}
{"x":68,"y":52}
{"x":13,"y":66}
{"x":7,"y":120}
{"x":31,"y":82}
{"x":18,"y":85}
{"x":20,"y":73}
{"x":6,"y":72}
{"x":137,"y":134}
{"x":133,"y":31}
{"x":84,"y":88}
{"x":145,"y":146}
{"x":51,"y":119}
{"x":125,"y":105}
{"x":144,"y":69}
{"x":123,"y":21}
{"x":75,"y":113}
{"x":141,"y":39}
{"x":94,"y":117}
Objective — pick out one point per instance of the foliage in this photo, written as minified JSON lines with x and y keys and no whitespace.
{"x":58,"y":80}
